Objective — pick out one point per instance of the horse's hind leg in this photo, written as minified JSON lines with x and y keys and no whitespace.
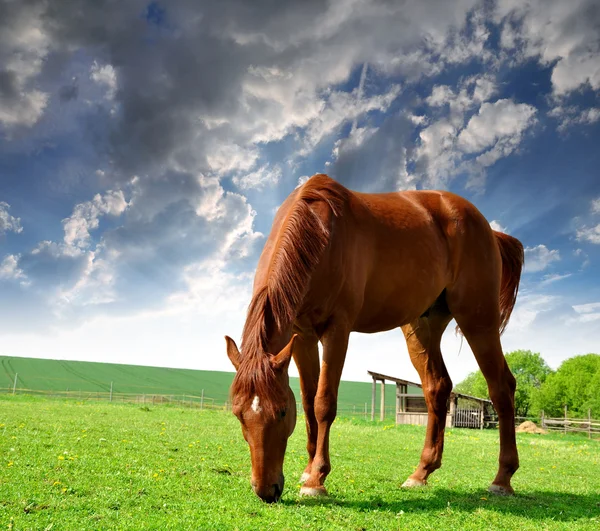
{"x":423,"y":338}
{"x":479,"y":322}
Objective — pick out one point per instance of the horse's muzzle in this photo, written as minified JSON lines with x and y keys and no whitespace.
{"x":269,"y":493}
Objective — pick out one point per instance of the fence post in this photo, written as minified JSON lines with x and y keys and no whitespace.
{"x":15,"y":383}
{"x":543,"y":422}
{"x":202,"y":400}
{"x":111,"y":384}
{"x":565,"y":418}
{"x":589,"y":423}
{"x":365,"y":411}
{"x":382,"y":403}
{"x":373,"y":399}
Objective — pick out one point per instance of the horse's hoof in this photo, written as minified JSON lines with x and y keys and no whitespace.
{"x":411,"y":483}
{"x":499,"y":490}
{"x":313,"y":492}
{"x":304,"y":477}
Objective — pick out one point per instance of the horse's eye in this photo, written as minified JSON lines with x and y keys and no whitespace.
{"x":282,"y":413}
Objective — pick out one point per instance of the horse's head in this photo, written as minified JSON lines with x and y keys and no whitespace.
{"x":266,"y":408}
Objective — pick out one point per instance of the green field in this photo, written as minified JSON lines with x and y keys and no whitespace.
{"x":66,"y":465}
{"x":57,"y":375}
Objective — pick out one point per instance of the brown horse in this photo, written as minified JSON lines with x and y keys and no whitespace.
{"x":339,"y":261}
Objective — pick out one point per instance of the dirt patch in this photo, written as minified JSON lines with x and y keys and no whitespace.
{"x":530,"y":427}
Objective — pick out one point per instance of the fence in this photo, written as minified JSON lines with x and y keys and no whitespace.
{"x":565,"y":424}
{"x":180,"y":400}
{"x":574,"y":425}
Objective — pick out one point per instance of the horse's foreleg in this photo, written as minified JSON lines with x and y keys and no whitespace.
{"x":335,"y":343}
{"x":306,"y":358}
{"x":423,"y":339}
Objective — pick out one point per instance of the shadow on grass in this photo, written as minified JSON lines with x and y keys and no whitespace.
{"x":537,"y":505}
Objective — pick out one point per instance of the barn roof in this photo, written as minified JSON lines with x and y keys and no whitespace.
{"x":379,"y":376}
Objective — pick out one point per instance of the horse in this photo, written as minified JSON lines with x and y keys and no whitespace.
{"x":338,"y":261}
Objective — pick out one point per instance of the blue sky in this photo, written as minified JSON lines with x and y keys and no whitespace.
{"x":144,"y":148}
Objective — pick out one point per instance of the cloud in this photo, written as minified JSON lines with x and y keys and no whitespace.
{"x":105,"y":75}
{"x":554,"y":277}
{"x":587,"y":312}
{"x":572,"y":115}
{"x":497,"y":227}
{"x":86,"y":216}
{"x":23,"y":47}
{"x":539,"y":258}
{"x":589,"y":234}
{"x":9,"y":268}
{"x":563,"y":35}
{"x":259,"y":179}
{"x":496,"y":124}
{"x":448,"y":147}
{"x":528,"y":307}
{"x":8,"y":223}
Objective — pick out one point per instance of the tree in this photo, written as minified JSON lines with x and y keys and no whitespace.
{"x":529,"y":369}
{"x":575,"y":384}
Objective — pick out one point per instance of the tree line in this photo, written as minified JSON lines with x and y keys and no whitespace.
{"x":575,"y":384}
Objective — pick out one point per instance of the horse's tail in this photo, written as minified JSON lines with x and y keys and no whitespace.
{"x":513,"y":257}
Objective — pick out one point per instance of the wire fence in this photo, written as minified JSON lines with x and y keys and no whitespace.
{"x":200,"y":401}
{"x":565,"y":424}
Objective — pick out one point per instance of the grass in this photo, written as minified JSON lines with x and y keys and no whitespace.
{"x":67,"y":465}
{"x":60,"y":375}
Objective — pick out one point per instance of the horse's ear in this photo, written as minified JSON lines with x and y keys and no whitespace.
{"x":233,"y":352}
{"x":282,"y":360}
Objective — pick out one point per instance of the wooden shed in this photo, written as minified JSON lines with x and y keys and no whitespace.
{"x":464,"y":411}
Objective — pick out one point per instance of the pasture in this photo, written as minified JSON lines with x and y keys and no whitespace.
{"x":70,"y":465}
{"x":47,"y":376}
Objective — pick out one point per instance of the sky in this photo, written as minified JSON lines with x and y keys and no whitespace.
{"x":145,"y":147}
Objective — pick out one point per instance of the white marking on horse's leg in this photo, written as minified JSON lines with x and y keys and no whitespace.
{"x":256,"y":405}
{"x":304,"y":477}
{"x":499,"y":490}
{"x":410,"y":483}
{"x":313,"y":492}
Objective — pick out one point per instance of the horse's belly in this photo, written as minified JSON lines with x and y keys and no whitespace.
{"x":386,"y":318}
{"x":385,"y":309}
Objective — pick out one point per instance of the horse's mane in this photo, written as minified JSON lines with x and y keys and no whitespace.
{"x":303,"y":237}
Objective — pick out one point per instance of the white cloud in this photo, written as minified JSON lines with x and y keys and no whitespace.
{"x":587,"y":312}
{"x":343,"y":107}
{"x":589,"y":234}
{"x":539,"y":258}
{"x":106,"y":76}
{"x":227,"y":158}
{"x":8,"y":223}
{"x":572,"y":115}
{"x":263,"y":177}
{"x":564,"y":34}
{"x":501,"y":122}
{"x":554,"y":277}
{"x":23,"y":48}
{"x":86,"y":216}
{"x":528,"y":307}
{"x":9,"y":268}
{"x":498,"y":227}
{"x":596,"y":206}
{"x":495,"y":131}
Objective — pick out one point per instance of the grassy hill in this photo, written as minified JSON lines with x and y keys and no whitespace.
{"x":59,"y":375}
